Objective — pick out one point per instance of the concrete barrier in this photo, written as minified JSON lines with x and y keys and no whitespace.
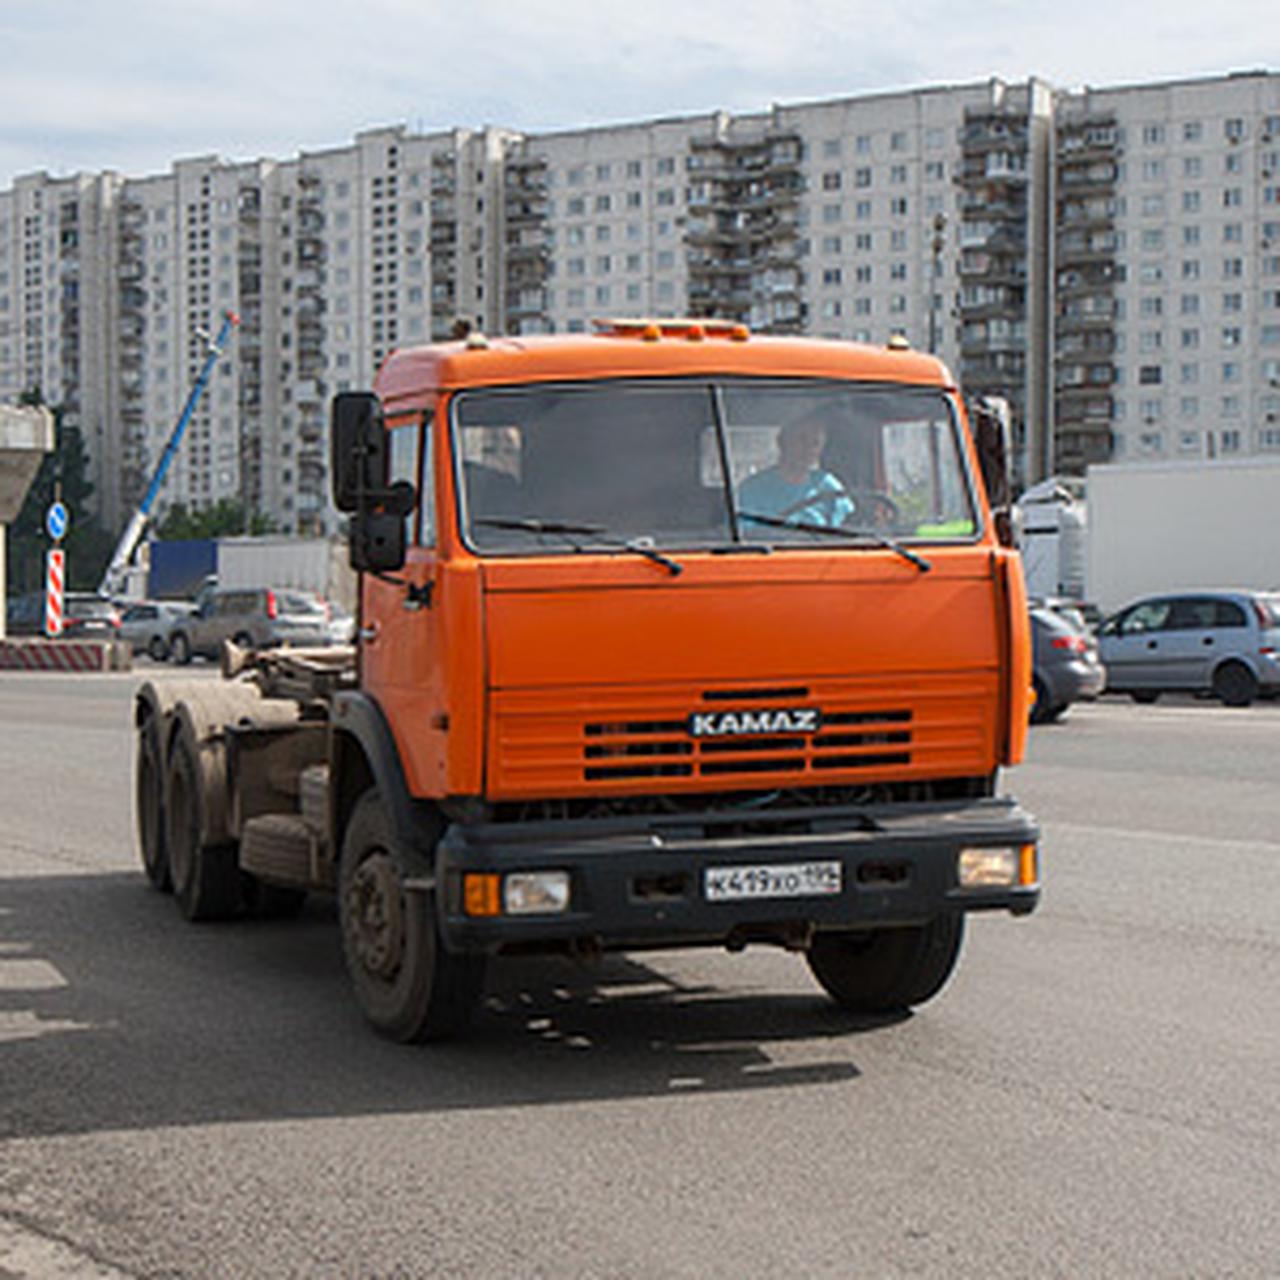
{"x":64,"y":655}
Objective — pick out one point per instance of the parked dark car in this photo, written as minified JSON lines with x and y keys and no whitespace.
{"x":84,"y":616}
{"x":251,"y":617}
{"x":1226,"y":643}
{"x":1065,"y":664}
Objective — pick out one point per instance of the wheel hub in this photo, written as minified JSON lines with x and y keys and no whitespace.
{"x":375,"y":915}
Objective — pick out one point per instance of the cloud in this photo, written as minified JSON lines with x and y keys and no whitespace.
{"x":89,"y":89}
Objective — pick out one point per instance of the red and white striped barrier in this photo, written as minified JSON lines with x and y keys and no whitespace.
{"x":63,"y":655}
{"x":56,"y":563}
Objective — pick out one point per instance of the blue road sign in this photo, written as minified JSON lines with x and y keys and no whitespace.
{"x":56,"y":520}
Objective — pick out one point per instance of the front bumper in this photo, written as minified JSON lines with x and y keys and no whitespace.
{"x":640,"y":881}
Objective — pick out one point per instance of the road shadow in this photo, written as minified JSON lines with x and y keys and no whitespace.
{"x":114,"y":1013}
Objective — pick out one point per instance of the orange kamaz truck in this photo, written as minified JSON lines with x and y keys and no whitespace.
{"x":669,"y":635}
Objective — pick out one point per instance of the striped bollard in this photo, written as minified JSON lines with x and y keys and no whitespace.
{"x":56,"y":563}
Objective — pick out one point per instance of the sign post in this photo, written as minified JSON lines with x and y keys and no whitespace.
{"x":55,"y":522}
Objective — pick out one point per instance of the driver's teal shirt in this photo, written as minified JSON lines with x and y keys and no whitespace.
{"x":768,"y":494}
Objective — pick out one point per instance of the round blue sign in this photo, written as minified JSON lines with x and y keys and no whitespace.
{"x":56,"y":520}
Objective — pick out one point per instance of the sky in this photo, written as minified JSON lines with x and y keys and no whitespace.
{"x":131,"y":86}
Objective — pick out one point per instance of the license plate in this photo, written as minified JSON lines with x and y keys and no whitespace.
{"x":786,"y":880}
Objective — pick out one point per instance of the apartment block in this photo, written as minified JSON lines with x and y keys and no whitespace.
{"x":1107,"y":261}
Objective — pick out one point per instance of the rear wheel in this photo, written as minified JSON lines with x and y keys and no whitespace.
{"x":149,"y":783}
{"x":157,"y":649}
{"x":880,"y":970}
{"x":180,"y":648}
{"x":1144,"y":696}
{"x":1040,"y":711}
{"x":206,"y":879}
{"x":408,"y":986}
{"x":1234,"y":684}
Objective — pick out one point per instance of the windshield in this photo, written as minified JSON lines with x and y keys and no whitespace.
{"x":684,"y":464}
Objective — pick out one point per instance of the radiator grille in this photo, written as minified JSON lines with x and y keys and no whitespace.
{"x":620,"y":740}
{"x":662,"y":748}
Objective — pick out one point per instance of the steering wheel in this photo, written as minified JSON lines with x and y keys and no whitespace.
{"x":883,"y":508}
{"x":879,"y":505}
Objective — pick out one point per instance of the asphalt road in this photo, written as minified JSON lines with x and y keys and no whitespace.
{"x":1095,"y":1094}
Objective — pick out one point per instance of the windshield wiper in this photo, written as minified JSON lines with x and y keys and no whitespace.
{"x":638,"y":546}
{"x":883,"y":539}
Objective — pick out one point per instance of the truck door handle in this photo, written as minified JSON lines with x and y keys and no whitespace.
{"x":1207,"y":640}
{"x":1153,"y":644}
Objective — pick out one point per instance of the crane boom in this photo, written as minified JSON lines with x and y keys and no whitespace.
{"x":113,"y":579}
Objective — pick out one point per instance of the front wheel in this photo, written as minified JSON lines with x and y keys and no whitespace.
{"x":408,"y":986}
{"x":882,"y":970}
{"x":180,"y":648}
{"x":157,"y":649}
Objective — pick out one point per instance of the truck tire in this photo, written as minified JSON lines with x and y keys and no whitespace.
{"x":408,"y":986}
{"x":206,"y":878}
{"x":882,"y":970}
{"x":1234,"y":684}
{"x":149,"y":789}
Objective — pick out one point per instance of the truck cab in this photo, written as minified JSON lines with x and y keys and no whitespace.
{"x":682,"y":636}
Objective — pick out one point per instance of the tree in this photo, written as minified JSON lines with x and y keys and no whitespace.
{"x":225,"y":518}
{"x":63,"y":474}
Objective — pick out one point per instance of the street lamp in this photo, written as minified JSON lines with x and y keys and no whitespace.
{"x":939,"y":240}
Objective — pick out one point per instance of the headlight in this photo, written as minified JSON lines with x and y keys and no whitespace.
{"x":526,"y":893}
{"x":996,"y":868}
{"x":520,"y":893}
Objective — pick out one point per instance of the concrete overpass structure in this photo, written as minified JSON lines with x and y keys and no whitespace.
{"x":26,"y":435}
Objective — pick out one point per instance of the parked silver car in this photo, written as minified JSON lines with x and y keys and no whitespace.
{"x":145,"y":625}
{"x":252,"y":617}
{"x":1222,"y":642}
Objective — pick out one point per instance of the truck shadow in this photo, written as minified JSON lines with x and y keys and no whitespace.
{"x":114,"y":1013}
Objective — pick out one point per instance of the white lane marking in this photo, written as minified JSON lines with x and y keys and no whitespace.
{"x":1173,"y":837}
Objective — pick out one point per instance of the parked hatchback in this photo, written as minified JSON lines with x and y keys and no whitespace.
{"x":251,"y":617}
{"x":1065,"y":665}
{"x":1220,"y":642}
{"x":146,"y":625}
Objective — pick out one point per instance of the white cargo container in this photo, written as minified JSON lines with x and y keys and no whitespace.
{"x":307,"y":564}
{"x":1174,"y":526}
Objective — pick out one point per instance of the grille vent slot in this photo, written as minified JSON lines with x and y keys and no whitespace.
{"x":622,"y":749}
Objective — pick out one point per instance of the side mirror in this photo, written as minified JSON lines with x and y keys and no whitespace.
{"x":358,"y":459}
{"x":991,"y":435}
{"x":378,"y":542}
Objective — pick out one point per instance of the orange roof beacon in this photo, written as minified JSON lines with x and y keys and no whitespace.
{"x":669,"y":635}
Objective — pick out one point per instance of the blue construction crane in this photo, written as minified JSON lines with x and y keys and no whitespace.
{"x":114,"y":578}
